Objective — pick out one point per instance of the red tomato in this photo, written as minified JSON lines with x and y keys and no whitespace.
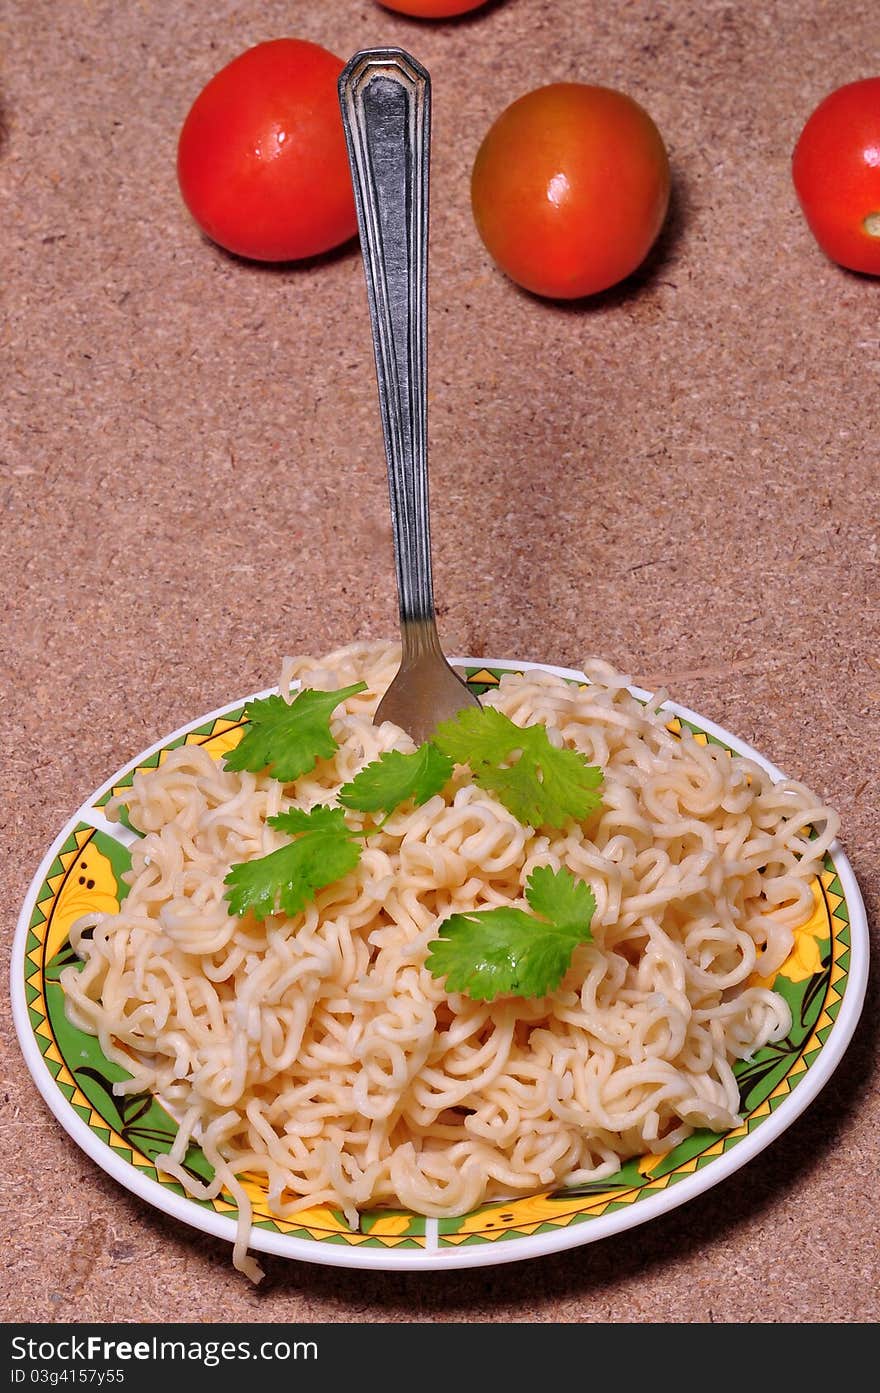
{"x":262,"y":161}
{"x":836,"y":172}
{"x":570,"y":188}
{"x":432,"y":9}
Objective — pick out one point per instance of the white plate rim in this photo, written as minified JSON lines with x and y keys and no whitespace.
{"x":433,"y":1257}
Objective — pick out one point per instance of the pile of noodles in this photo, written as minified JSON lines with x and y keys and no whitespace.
{"x":319,"y":1052}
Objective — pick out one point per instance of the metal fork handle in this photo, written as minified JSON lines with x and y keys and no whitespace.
{"x":385,"y":98}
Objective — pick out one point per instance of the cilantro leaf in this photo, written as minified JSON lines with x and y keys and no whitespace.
{"x":325,"y":850}
{"x":288,"y":740}
{"x":569,"y":785}
{"x":538,"y":783}
{"x":319,"y":819}
{"x":478,"y":735}
{"x":394,"y":777}
{"x":560,"y":897}
{"x":505,"y":951}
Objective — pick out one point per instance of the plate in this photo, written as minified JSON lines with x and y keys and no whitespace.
{"x":824,"y":981}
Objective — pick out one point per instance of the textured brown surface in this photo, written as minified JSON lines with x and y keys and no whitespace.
{"x":681,"y":476}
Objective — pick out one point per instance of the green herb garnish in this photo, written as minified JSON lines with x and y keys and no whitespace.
{"x":506,"y":951}
{"x":393,"y":778}
{"x":325,"y":850}
{"x":288,"y":740}
{"x":484,"y":953}
{"x":541,"y":785}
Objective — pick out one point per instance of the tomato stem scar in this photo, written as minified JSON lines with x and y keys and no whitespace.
{"x":872,"y":224}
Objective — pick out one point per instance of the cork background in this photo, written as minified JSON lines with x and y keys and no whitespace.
{"x":680,"y":475}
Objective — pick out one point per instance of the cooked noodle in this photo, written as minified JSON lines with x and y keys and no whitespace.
{"x":319,"y":1052}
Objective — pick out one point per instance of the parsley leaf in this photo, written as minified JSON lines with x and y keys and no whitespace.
{"x":505,"y":951}
{"x":394,"y":777}
{"x":288,"y":740}
{"x":325,"y":850}
{"x":541,"y":785}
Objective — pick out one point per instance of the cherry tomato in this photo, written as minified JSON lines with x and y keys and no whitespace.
{"x":262,"y":162}
{"x":570,"y":188}
{"x":836,"y":172}
{"x":432,"y":9}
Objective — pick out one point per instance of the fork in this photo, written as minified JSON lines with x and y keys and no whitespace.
{"x":385,"y":98}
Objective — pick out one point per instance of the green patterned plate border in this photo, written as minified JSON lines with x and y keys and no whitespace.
{"x":824,"y":981}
